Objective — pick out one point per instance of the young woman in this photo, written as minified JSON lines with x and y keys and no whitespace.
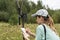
{"x":43,"y":18}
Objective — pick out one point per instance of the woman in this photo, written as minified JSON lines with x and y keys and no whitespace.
{"x":43,"y":18}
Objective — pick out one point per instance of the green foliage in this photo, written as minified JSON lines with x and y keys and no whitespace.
{"x":33,"y":9}
{"x":30,"y":18}
{"x":56,"y":16}
{"x":7,"y":9}
{"x":4,"y":16}
{"x":13,"y":19}
{"x":51,"y":12}
{"x":3,"y":5}
{"x":39,"y":5}
{"x":9,"y":12}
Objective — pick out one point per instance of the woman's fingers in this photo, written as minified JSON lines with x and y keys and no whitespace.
{"x":26,"y":35}
{"x":28,"y":30}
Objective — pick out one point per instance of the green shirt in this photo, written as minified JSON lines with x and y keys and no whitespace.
{"x":50,"y":34}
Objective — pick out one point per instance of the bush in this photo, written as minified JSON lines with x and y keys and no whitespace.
{"x":13,"y":19}
{"x":56,"y":16}
{"x":4,"y":16}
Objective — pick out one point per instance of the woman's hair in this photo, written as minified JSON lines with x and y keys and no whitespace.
{"x":50,"y":22}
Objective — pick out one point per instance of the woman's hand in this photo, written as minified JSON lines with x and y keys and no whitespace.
{"x":26,"y":35}
{"x":29,"y":32}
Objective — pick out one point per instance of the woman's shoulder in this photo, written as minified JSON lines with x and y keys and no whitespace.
{"x":40,"y":27}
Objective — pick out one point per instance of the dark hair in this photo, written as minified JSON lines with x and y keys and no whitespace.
{"x":45,"y":18}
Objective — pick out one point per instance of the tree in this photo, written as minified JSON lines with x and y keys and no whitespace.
{"x":39,"y":5}
{"x":56,"y":16}
{"x":33,"y":9}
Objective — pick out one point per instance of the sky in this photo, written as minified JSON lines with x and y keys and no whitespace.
{"x":53,"y":4}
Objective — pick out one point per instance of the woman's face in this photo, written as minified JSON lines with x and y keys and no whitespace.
{"x":39,"y":20}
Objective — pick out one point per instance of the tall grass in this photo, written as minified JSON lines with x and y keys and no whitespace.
{"x":9,"y":32}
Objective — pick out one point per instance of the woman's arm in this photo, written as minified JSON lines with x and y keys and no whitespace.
{"x":30,"y":33}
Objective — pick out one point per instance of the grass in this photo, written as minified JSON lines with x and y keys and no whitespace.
{"x":9,"y":32}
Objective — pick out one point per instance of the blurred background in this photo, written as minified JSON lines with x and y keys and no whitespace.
{"x":9,"y":14}
{"x":9,"y":29}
